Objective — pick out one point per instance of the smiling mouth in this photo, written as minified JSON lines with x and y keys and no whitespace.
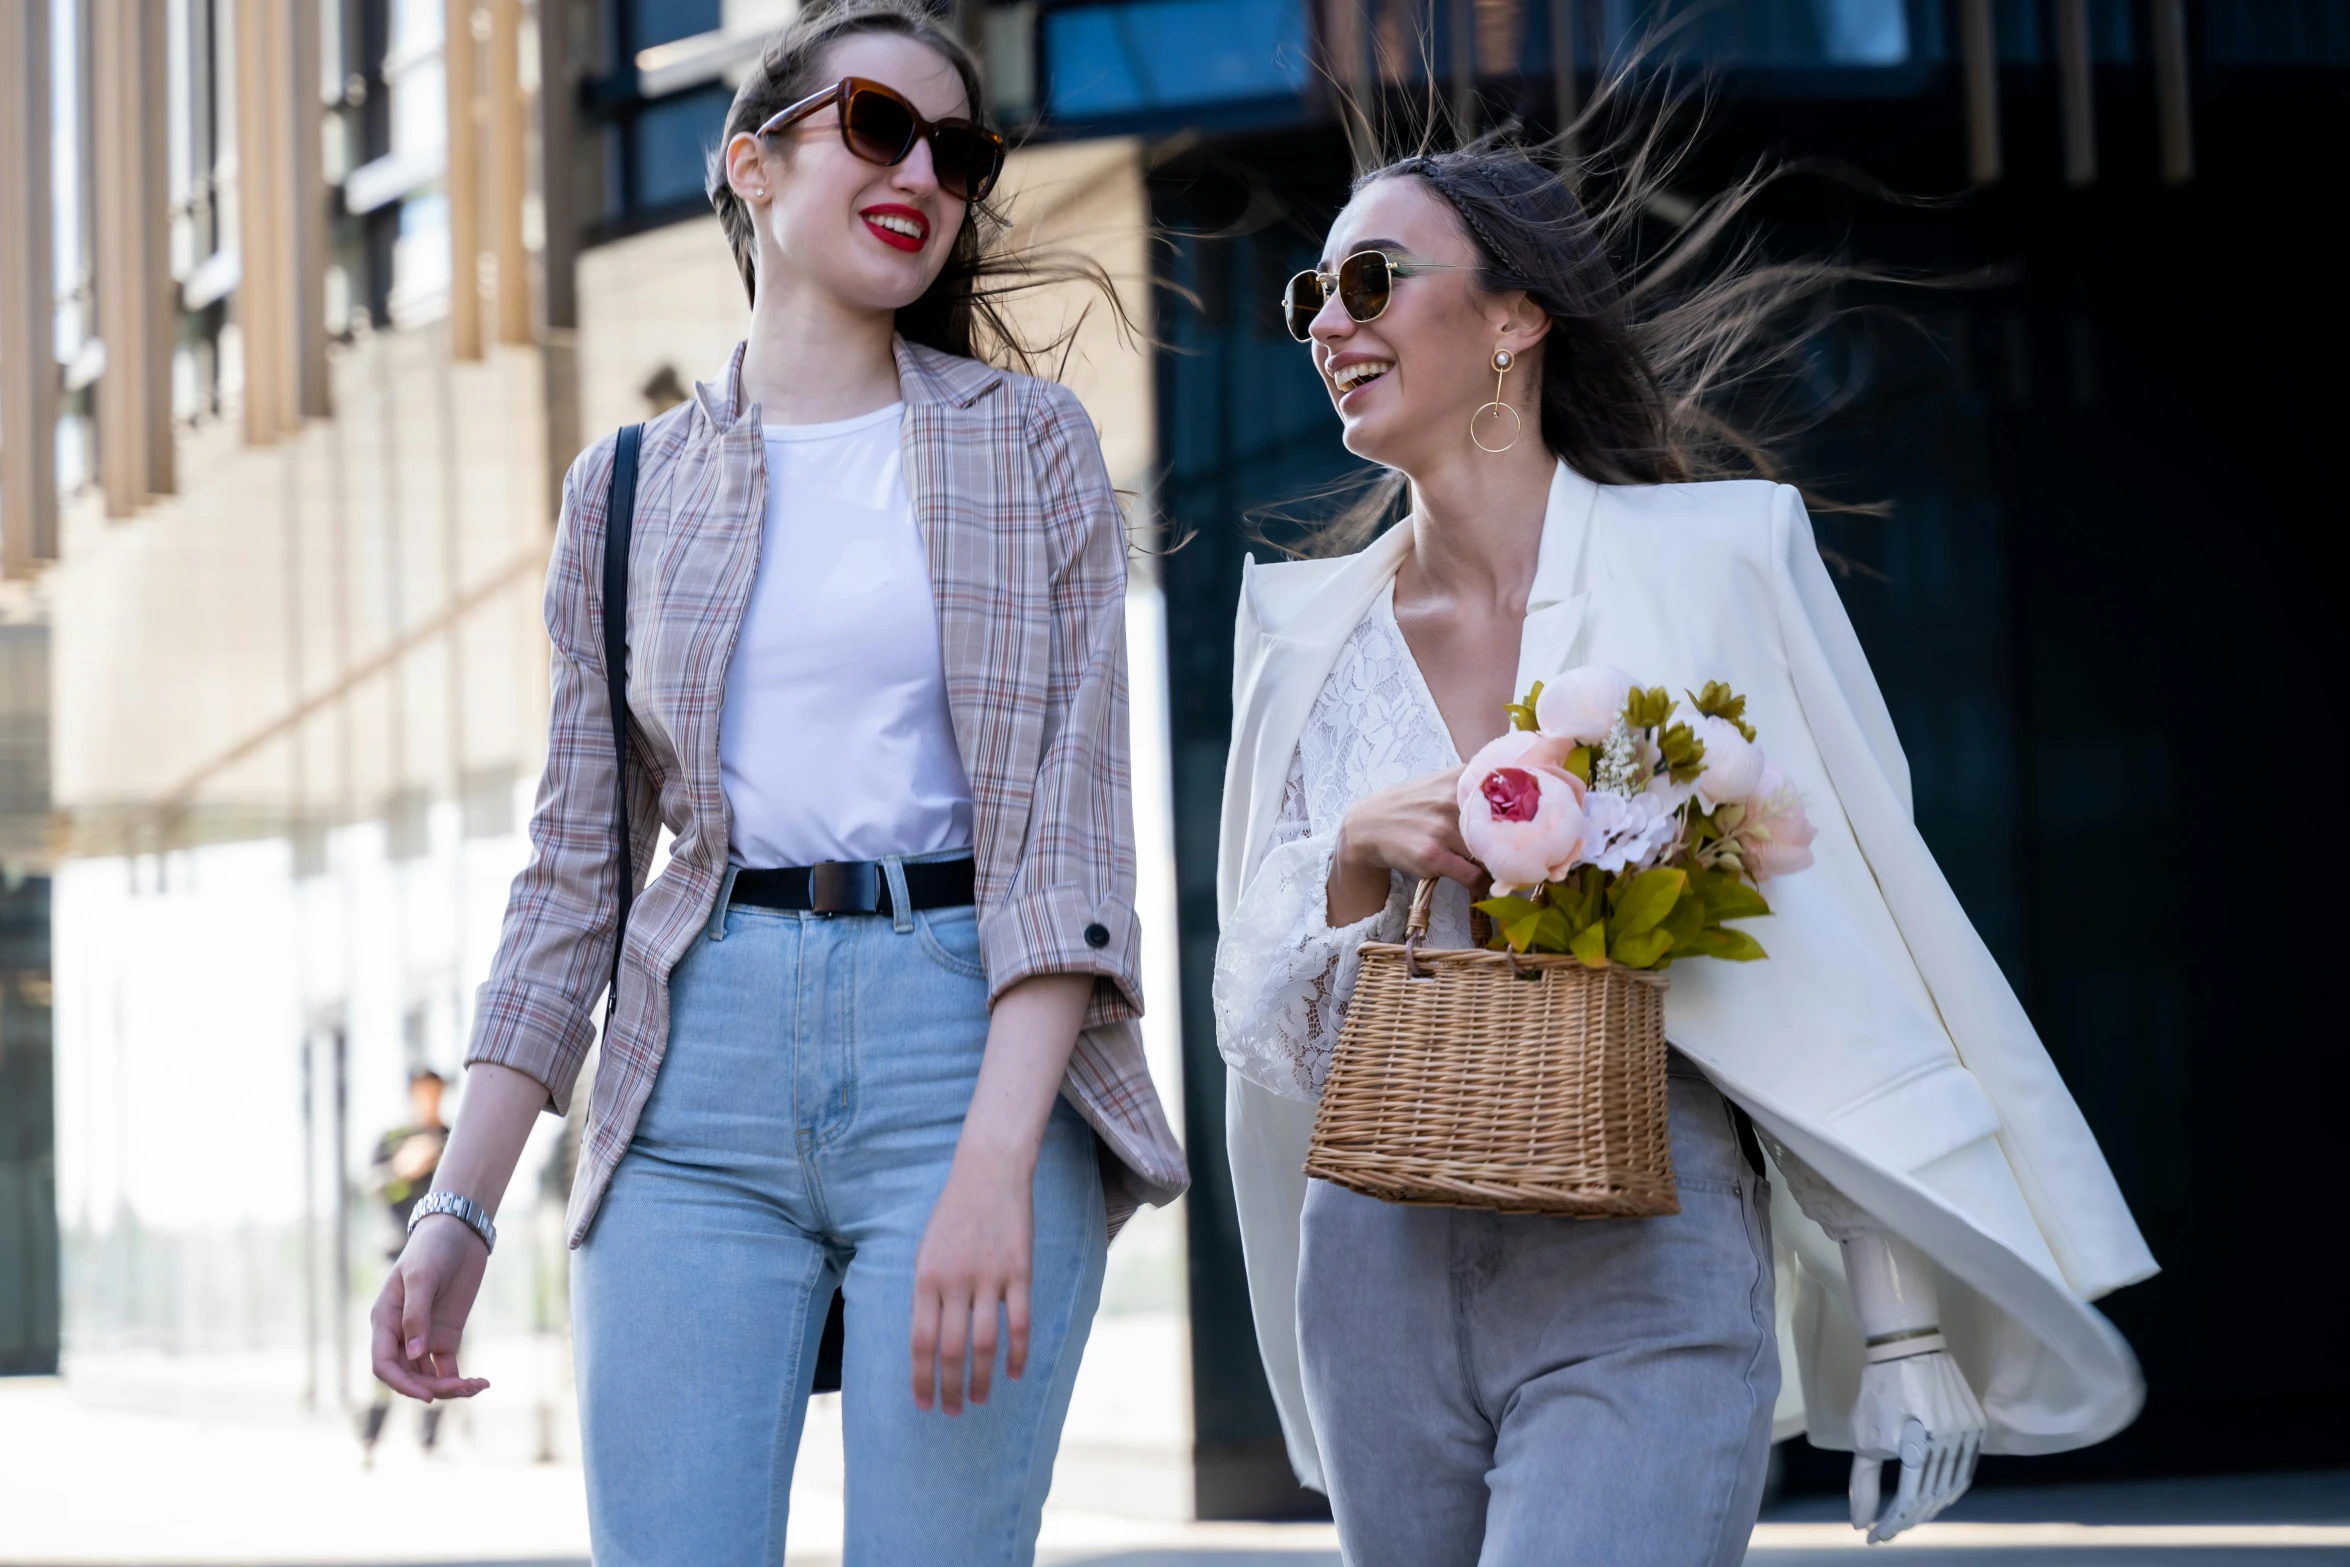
{"x":898,"y":230}
{"x":1362,"y":373}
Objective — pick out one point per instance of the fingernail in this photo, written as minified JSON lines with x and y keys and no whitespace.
{"x":416,"y":1349}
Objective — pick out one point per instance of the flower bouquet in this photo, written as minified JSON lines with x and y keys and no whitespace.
{"x":1619,"y":832}
{"x":1527,"y":1074}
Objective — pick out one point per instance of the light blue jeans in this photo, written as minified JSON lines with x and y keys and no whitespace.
{"x":1511,"y":1390}
{"x":797,"y":1137}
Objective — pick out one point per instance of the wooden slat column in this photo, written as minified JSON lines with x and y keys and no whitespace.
{"x":559,"y":33}
{"x":262,"y":275}
{"x":459,"y":52}
{"x":28,"y":309}
{"x":130,"y":204}
{"x":303,"y":192}
{"x":509,"y":114}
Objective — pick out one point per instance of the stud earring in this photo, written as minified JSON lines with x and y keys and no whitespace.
{"x":1503,"y":359}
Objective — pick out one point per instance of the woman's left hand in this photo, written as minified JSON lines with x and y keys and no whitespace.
{"x":972,"y":1271}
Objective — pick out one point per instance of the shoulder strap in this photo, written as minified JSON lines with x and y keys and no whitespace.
{"x":619,"y":518}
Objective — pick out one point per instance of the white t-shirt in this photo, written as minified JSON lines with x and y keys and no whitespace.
{"x":835,"y":742}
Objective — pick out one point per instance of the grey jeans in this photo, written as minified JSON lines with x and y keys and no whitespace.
{"x":1501,"y":1390}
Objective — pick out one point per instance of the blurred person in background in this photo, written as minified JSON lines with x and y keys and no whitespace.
{"x":401,"y":1172}
{"x":874,"y":1026}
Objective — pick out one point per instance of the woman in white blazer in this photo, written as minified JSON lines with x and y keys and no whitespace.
{"x":1933,"y":1217}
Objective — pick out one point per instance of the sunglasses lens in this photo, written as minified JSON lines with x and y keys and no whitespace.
{"x":968,"y":160}
{"x":877,"y":127}
{"x":1300,"y":303}
{"x":1364,"y":283}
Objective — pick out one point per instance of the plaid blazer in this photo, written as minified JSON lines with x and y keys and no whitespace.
{"x":1028,"y":570}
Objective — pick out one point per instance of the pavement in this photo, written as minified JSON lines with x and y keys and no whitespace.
{"x":92,"y":1477}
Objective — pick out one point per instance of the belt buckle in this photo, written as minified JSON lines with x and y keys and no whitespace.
{"x":842,"y":887}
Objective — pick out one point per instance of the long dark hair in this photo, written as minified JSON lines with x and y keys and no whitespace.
{"x":962,"y":310}
{"x":1651,"y":369}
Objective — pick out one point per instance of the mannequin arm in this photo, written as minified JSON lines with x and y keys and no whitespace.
{"x":1914,"y":1404}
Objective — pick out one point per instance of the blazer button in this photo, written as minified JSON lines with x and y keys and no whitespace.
{"x":1097,"y":935}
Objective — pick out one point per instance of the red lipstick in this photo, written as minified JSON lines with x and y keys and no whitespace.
{"x":891,"y":237}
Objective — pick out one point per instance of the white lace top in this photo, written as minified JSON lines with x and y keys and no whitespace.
{"x":1283,"y":974}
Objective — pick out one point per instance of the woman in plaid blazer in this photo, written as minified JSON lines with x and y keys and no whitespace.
{"x":916,"y":1078}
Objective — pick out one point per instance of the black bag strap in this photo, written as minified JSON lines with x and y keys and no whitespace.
{"x":619,"y":518}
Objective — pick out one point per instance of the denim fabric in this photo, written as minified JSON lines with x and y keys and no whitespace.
{"x":797,"y":1136}
{"x":1504,"y":1390}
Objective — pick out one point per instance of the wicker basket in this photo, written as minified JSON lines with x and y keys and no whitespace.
{"x":1481,"y":1079}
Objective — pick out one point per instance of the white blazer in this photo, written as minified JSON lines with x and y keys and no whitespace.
{"x":1879,"y":1041}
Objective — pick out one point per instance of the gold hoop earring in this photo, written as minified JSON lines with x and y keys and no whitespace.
{"x":1503,"y":359}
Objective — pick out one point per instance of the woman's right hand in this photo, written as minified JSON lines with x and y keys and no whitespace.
{"x":1413,"y":827}
{"x":420,"y":1316}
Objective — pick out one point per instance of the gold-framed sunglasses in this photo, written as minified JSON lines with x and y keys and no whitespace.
{"x":880,"y":126}
{"x":1364,"y":282}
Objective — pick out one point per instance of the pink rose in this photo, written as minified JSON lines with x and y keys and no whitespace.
{"x":1775,"y":837}
{"x":1583,"y":704}
{"x":1531,"y":749}
{"x":1521,"y":816}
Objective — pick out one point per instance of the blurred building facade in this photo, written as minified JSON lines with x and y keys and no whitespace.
{"x":304,"y":308}
{"x":311,"y":304}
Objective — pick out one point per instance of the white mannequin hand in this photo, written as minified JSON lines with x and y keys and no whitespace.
{"x":1921,"y":1412}
{"x":1914,"y":1404}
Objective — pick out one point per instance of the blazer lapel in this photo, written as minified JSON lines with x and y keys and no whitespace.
{"x":1287,"y":650}
{"x":1559,"y":606}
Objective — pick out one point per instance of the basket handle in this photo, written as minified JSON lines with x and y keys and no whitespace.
{"x":1423,"y":903}
{"x":1415,"y":927}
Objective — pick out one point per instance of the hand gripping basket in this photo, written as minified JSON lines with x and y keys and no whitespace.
{"x":1479,"y":1079}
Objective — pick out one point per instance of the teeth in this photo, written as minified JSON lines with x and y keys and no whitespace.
{"x":1362,"y":370}
{"x":895,"y":224}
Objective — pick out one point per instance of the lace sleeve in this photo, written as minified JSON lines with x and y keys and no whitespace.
{"x":1821,"y":1203}
{"x":1283,"y":975}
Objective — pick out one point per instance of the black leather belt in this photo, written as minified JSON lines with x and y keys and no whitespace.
{"x":856,"y":887}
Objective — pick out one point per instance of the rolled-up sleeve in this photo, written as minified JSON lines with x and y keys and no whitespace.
{"x":1070,"y":909}
{"x":536,"y":1011}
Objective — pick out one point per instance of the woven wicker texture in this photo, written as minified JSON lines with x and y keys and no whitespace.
{"x":1476,"y":1079}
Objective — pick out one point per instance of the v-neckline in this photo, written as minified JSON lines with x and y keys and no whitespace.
{"x":1427,"y":695}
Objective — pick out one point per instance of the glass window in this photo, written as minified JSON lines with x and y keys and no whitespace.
{"x":1121,"y":59}
{"x":673,"y":138}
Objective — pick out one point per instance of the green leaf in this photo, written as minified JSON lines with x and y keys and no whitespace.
{"x":1522,"y":712}
{"x":1720,"y":942}
{"x":1648,"y":709}
{"x":1646,"y":899}
{"x":1514,"y":918}
{"x":1719,"y":701}
{"x":1553,"y":931}
{"x":1684,"y":753}
{"x":1727,"y":897}
{"x":1641,"y":949}
{"x":1590,"y":944}
{"x":1579,"y":763}
{"x":1686,"y":920}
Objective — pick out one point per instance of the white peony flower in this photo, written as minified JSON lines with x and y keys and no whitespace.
{"x":1733,"y":763}
{"x":1583,"y":703}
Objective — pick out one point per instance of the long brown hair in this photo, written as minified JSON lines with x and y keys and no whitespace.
{"x":1657,"y":366}
{"x":962,"y":310}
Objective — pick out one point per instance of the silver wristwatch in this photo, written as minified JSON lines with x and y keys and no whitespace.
{"x":463,"y":1209}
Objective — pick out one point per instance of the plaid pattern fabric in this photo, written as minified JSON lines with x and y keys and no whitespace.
{"x":1028,"y":569}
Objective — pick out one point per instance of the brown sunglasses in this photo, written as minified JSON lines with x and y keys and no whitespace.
{"x":880,"y":126}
